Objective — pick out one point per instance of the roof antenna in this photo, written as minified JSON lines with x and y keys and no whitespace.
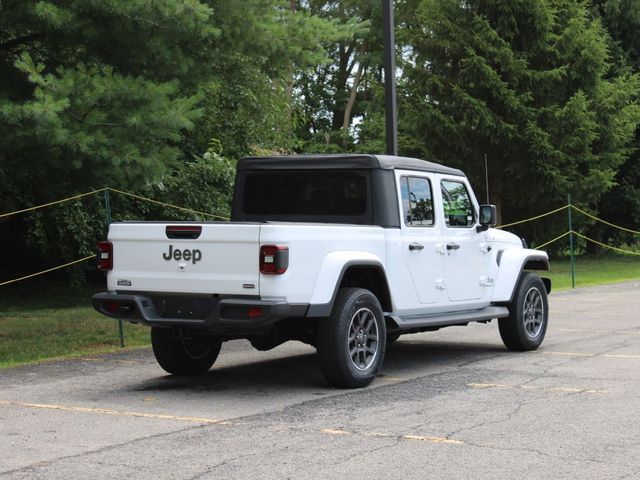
{"x":486,"y":176}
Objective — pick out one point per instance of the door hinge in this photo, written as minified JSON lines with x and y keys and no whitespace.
{"x":440,"y":285}
{"x":440,"y":248}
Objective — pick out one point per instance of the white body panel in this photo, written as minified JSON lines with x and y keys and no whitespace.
{"x":467,"y":264}
{"x":431,"y":280}
{"x":449,"y":280}
{"x":404,"y":295}
{"x":317,"y":254}
{"x":229,"y":259}
{"x":511,"y":263}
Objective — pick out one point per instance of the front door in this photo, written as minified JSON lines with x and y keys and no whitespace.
{"x":466,"y":262}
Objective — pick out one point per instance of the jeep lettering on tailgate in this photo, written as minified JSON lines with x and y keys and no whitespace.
{"x":187,"y":255}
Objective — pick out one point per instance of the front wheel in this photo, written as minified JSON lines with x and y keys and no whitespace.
{"x":525,"y":327}
{"x":184,"y":354}
{"x":352,"y":341}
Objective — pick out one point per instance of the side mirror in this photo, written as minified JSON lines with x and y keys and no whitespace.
{"x":488,"y":217}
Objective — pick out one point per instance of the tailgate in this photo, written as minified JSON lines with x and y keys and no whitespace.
{"x":223,"y":259}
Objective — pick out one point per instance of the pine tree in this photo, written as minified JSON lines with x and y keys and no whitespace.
{"x":529,"y":83}
{"x":621,"y":205}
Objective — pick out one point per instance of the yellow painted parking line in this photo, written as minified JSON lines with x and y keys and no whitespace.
{"x":611,"y":355}
{"x":210,"y":421}
{"x":420,"y":438}
{"x":423,"y":438}
{"x":577,"y":390}
{"x":378,"y":434}
{"x":488,"y":385}
{"x":332,"y":431}
{"x":117,"y":413}
{"x":536,"y":387}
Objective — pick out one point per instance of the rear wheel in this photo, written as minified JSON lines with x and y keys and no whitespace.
{"x":351,"y":343}
{"x":525,"y":327}
{"x":184,"y":354}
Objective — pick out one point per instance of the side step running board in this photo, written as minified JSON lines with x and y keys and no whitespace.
{"x":454,"y":318}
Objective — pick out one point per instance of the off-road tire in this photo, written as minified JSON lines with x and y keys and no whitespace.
{"x":525,"y":327}
{"x":349,"y":356}
{"x":184,"y":355}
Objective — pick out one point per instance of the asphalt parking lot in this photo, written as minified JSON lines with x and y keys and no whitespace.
{"x":449,"y":404}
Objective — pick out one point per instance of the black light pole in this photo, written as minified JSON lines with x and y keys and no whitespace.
{"x":390,"y":78}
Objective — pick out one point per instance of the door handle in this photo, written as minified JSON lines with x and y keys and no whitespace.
{"x":452,"y":246}
{"x":416,"y":246}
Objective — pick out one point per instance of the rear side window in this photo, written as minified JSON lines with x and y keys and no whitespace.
{"x":306,"y":194}
{"x":417,"y":202}
{"x":458,"y":209}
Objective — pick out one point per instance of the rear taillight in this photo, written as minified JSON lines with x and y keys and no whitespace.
{"x":105,"y":256}
{"x":274,"y":259}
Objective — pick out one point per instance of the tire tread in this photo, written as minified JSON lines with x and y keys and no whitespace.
{"x":330,"y":355}
{"x":511,"y":328}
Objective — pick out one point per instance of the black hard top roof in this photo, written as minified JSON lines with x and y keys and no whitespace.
{"x":350,"y":161}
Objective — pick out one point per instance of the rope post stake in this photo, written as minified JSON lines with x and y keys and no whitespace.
{"x":571,"y":249}
{"x":107,"y":207}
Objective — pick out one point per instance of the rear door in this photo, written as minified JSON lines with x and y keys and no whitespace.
{"x":211,"y":258}
{"x":422,"y":241}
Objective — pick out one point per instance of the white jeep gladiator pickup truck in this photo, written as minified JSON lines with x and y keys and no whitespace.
{"x":343,"y":252}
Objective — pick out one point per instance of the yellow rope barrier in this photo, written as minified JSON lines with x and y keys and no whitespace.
{"x":225,"y":218}
{"x":551,"y":241}
{"x":47,"y":271}
{"x":8,"y":214}
{"x":167,"y":204}
{"x":52,"y":203}
{"x":84,"y":195}
{"x":534,"y":218}
{"x":605,"y":245}
{"x":604,"y":221}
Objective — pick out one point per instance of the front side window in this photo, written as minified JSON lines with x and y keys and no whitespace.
{"x":458,"y":209}
{"x":417,"y":202}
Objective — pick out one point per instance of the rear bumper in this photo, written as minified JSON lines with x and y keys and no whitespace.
{"x":232,"y":315}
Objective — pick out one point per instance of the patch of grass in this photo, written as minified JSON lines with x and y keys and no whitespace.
{"x":47,"y":322}
{"x":594,"y":271}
